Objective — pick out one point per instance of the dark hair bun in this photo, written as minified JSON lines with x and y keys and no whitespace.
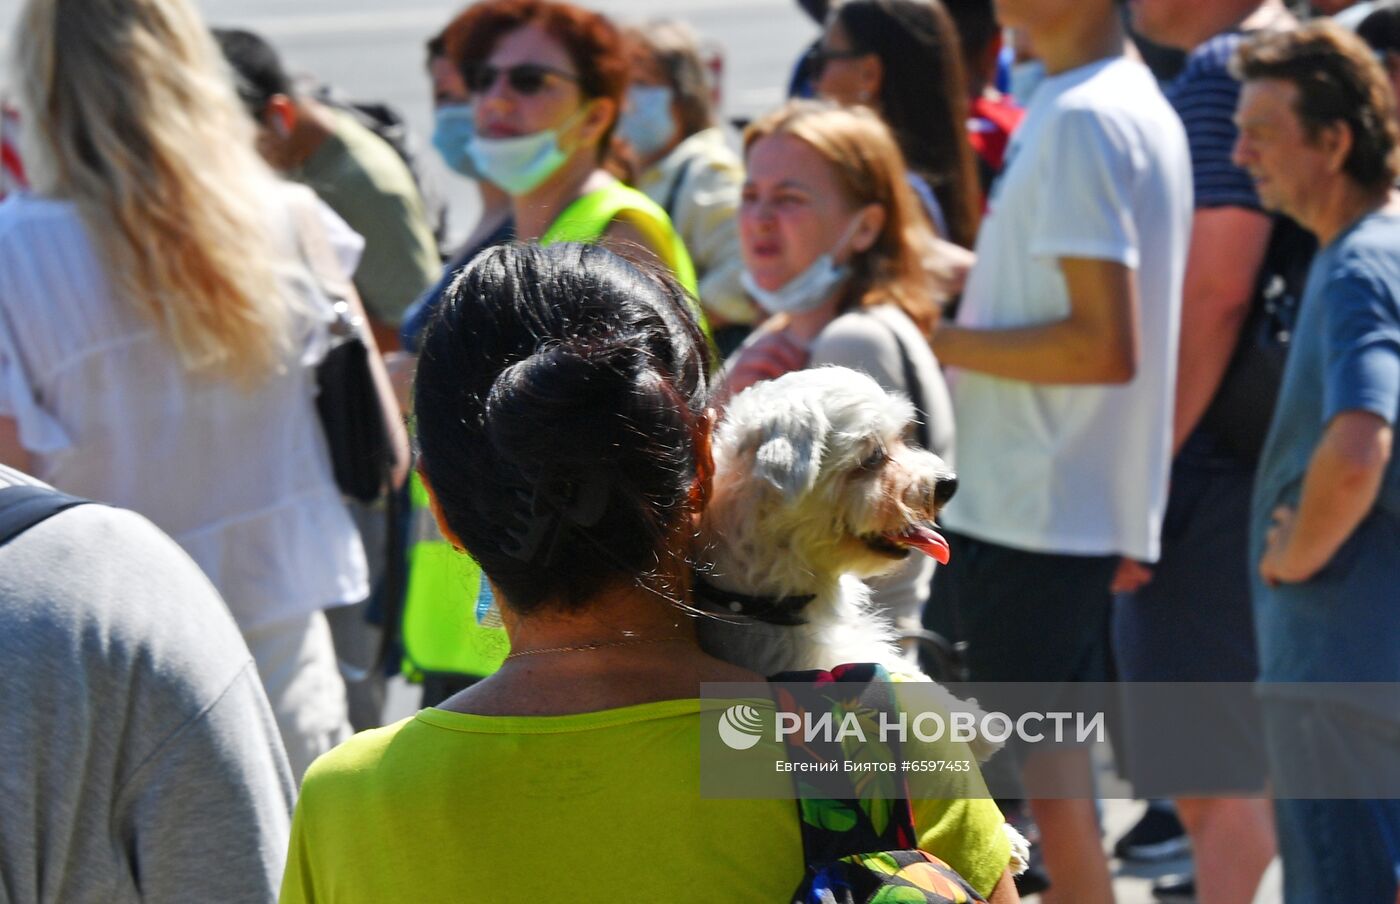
{"x":556,"y":403}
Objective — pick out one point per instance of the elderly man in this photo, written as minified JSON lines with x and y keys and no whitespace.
{"x":1318,"y":136}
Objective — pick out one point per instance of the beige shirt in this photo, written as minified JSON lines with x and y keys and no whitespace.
{"x":706,"y":215}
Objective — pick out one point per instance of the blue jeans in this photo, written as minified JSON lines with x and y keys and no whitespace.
{"x":1332,"y":850}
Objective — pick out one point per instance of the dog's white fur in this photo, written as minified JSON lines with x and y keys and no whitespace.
{"x":799,"y":486}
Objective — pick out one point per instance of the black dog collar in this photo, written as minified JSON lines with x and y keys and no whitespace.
{"x":775,"y":610}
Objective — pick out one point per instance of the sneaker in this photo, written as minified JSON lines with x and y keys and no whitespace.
{"x":1175,"y":888}
{"x":1157,"y":836}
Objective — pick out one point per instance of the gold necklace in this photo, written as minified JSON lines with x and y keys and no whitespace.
{"x":596,"y":645}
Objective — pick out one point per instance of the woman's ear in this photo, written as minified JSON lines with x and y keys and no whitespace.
{"x":438,"y":516}
{"x":703,"y":484}
{"x":871,"y":221}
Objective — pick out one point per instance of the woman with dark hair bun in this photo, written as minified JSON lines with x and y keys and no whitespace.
{"x":561,"y":404}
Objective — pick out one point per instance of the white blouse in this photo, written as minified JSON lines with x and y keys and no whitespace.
{"x":239,"y":477}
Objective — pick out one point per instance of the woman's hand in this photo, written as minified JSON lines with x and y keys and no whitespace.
{"x":767,"y":357}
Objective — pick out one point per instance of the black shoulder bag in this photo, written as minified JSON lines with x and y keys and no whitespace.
{"x":352,"y":416}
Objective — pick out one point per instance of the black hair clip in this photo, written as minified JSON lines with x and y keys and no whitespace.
{"x":543,"y":511}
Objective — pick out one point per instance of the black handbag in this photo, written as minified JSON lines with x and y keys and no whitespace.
{"x":352,"y":414}
{"x":1243,"y":407}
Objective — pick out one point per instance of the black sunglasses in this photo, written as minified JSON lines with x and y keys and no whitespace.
{"x":523,"y":78}
{"x":818,"y":56}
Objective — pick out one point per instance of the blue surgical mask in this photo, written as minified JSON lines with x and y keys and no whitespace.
{"x":520,"y":164}
{"x":454,"y":126}
{"x":807,"y":290}
{"x":648,"y":125}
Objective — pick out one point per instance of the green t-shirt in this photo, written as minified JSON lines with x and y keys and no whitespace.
{"x":366,"y":182}
{"x":602,"y":806}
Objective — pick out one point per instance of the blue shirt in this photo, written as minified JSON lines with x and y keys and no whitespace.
{"x":1344,"y":623}
{"x":1205,"y":96}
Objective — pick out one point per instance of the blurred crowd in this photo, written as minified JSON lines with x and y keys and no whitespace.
{"x":1136,"y":264}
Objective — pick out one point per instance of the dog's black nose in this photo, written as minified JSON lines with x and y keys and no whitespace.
{"x":944,"y":489}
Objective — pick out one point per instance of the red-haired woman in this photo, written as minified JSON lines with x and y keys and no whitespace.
{"x":548,"y":82}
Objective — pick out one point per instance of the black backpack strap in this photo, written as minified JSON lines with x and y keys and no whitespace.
{"x":22,"y":506}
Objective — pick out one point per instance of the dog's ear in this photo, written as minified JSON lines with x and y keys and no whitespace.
{"x":790,"y":461}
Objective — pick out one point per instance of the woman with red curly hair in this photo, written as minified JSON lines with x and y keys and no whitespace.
{"x":548,"y":82}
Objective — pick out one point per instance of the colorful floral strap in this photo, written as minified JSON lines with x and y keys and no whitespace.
{"x":858,"y":835}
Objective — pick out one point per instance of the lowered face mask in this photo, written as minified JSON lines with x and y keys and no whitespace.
{"x":809,"y":289}
{"x":520,"y":164}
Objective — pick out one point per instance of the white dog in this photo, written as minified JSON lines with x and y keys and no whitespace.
{"x":815,"y":489}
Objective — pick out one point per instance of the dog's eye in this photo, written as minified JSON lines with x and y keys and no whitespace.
{"x":875,"y":459}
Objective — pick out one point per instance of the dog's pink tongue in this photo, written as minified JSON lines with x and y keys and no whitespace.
{"x":927,"y":541}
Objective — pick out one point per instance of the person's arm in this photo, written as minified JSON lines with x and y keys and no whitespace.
{"x":388,"y":397}
{"x":1361,"y":397}
{"x":1227,"y":249}
{"x":1005,"y":892}
{"x":326,"y":241}
{"x":1339,"y":489}
{"x":1097,"y":343}
{"x":12,"y":452}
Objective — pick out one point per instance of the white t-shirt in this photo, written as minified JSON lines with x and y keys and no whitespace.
{"x":240,"y":478}
{"x":1099,"y":169}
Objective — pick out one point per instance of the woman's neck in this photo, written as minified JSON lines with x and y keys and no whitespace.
{"x":536,"y":210}
{"x":806,"y":326}
{"x":625,"y":647}
{"x":620,"y":612}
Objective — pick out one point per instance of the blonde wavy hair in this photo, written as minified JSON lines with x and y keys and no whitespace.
{"x":129,"y":113}
{"x":862,"y":152}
